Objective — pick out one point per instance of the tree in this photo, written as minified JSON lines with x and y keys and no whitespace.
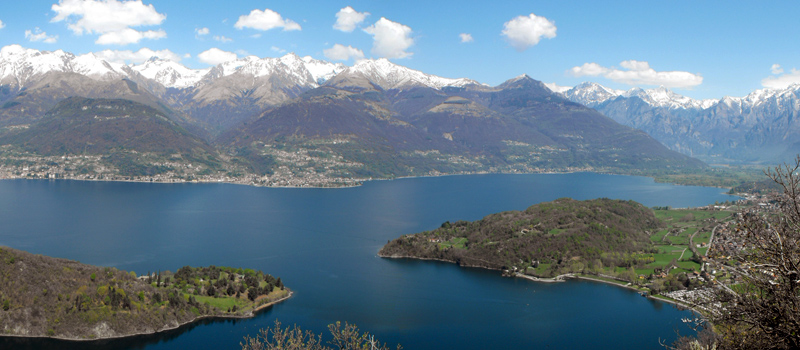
{"x":763,"y":311}
{"x":345,"y":337}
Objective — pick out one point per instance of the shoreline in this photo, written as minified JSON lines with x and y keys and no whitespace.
{"x":556,"y":279}
{"x":251,"y":314}
{"x":360,"y":182}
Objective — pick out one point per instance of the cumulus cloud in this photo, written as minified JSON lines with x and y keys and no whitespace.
{"x":638,"y":73}
{"x":465,"y":37}
{"x":265,"y":20}
{"x":129,"y":36}
{"x":347,"y":19}
{"x":222,"y":38}
{"x":112,"y":19}
{"x":390,"y":39}
{"x":2,"y":24}
{"x":781,"y":80}
{"x":216,"y":56}
{"x":557,"y":88}
{"x":523,"y":32}
{"x":38,"y":35}
{"x":136,"y":57}
{"x":201,"y":31}
{"x":340,"y":52}
{"x":277,"y":49}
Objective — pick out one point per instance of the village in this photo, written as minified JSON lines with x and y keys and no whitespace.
{"x":719,"y":256}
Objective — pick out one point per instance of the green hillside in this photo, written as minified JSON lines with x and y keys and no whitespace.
{"x":49,"y":297}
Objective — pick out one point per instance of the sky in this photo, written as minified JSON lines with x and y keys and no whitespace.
{"x":700,"y":49}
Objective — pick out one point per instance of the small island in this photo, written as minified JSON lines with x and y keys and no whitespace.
{"x":655,"y":251}
{"x":59,"y":298}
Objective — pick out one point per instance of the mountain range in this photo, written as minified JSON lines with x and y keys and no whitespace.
{"x":297,"y":117}
{"x":761,"y":127}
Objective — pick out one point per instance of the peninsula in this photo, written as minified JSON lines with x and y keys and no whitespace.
{"x":58,"y":298}
{"x":623,"y":242}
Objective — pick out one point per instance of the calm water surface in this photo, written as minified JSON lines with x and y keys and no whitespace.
{"x":323,"y":244}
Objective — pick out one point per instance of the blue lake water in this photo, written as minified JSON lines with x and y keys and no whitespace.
{"x":323,"y":244}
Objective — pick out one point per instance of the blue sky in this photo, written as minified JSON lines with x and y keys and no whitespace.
{"x":701,"y":49}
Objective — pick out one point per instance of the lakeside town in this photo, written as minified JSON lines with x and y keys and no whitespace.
{"x":296,"y":168}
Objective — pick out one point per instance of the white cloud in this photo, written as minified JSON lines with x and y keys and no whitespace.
{"x":639,"y":73}
{"x":129,"y":36}
{"x":776,"y":69}
{"x":277,"y":49}
{"x":347,"y":19}
{"x":112,"y":19}
{"x":256,"y":35}
{"x":340,"y":52}
{"x":202,"y":31}
{"x":216,"y":56}
{"x":38,"y":35}
{"x":265,"y":20}
{"x":136,"y":57}
{"x":391,"y":39}
{"x":781,"y":80}
{"x":557,"y":88}
{"x":523,"y":32}
{"x":2,"y":24}
{"x":222,"y":38}
{"x":465,"y":37}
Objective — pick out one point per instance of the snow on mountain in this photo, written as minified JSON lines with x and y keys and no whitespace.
{"x":290,"y":67}
{"x":591,"y":94}
{"x":19,"y":65}
{"x":230,"y":67}
{"x":388,"y":75}
{"x":169,"y":73}
{"x":322,"y":70}
{"x":94,"y":67}
{"x":663,"y":97}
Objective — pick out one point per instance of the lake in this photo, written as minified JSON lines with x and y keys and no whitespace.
{"x":323,"y":244}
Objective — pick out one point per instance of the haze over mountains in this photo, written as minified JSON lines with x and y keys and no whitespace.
{"x":761,"y":127}
{"x":299,"y":117}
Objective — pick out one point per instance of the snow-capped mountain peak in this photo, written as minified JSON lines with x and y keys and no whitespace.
{"x":322,"y":70}
{"x":19,"y":65}
{"x":666,"y":98}
{"x":388,"y":75}
{"x":290,"y":66}
{"x":169,"y":73}
{"x":591,"y":94}
{"x":95,"y":67}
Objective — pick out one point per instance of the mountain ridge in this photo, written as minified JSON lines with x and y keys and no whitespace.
{"x":269,"y":121}
{"x":758,"y":128}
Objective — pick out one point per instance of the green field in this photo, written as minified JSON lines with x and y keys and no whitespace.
{"x":681,"y":225}
{"x":223,"y":303}
{"x":458,"y":243}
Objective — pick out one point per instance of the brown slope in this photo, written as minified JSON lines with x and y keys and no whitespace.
{"x":99,"y":126}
